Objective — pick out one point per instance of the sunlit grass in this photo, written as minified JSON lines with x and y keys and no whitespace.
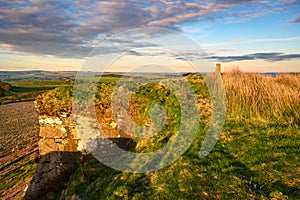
{"x":271,"y":99}
{"x":29,"y":90}
{"x":256,"y":157}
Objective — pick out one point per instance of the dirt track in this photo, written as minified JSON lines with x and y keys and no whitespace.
{"x":19,"y":128}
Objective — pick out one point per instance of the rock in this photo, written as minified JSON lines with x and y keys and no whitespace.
{"x":52,"y":172}
{"x":62,"y":150}
{"x":58,"y":156}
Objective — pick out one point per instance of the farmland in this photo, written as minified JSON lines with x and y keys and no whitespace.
{"x":19,"y":130}
{"x":29,"y":90}
{"x":18,"y":144}
{"x":256,"y":156}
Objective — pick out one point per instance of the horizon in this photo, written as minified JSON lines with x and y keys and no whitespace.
{"x":120,"y":72}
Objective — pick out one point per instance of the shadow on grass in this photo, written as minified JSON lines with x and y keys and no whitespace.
{"x":31,"y":89}
{"x":248,"y":176}
{"x":93,"y":180}
{"x":55,"y":168}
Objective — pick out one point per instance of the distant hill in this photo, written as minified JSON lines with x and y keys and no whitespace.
{"x":35,"y":75}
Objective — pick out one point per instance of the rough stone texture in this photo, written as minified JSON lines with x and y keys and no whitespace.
{"x":53,"y":170}
{"x":58,"y":155}
{"x":62,"y":148}
{"x":57,"y":134}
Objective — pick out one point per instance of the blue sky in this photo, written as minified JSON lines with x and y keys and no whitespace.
{"x":261,"y":35}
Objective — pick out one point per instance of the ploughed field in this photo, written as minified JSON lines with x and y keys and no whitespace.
{"x":19,"y":129}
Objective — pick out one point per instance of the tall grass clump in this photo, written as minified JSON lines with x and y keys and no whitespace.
{"x":271,"y":99}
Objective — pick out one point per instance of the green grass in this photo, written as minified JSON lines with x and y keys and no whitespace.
{"x":21,"y":172}
{"x":257,"y":163}
{"x":256,"y":157}
{"x":38,"y":83}
{"x":102,"y":79}
{"x":32,"y":89}
{"x":29,"y":90}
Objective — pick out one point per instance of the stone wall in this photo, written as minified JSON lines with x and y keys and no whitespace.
{"x":62,"y":150}
{"x":57,"y":134}
{"x":58,"y":157}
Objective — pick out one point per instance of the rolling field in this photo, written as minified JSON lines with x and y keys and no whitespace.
{"x":29,"y":90}
{"x":256,"y":156}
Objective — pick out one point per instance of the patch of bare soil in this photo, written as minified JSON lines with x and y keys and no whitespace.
{"x":19,"y":129}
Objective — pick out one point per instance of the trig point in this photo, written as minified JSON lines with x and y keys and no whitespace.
{"x":218,"y":68}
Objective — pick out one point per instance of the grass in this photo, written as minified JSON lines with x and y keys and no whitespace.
{"x":258,"y":165}
{"x":21,"y":172}
{"x":54,"y":102}
{"x":271,"y":99}
{"x":29,"y":90}
{"x":256,"y":157}
{"x":38,"y":83}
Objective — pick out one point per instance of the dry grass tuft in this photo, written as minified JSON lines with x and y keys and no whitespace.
{"x":254,"y":95}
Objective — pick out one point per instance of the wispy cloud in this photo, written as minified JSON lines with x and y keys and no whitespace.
{"x":274,"y":56}
{"x":245,"y":41}
{"x":288,"y":1}
{"x":296,"y":19}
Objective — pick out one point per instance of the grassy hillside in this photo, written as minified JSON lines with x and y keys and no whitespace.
{"x":28,"y":90}
{"x":256,"y":157}
{"x":35,"y":75}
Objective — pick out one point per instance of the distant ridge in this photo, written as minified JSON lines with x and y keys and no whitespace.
{"x":35,"y":75}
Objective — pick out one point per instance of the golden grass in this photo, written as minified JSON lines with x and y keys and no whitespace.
{"x":265,"y":97}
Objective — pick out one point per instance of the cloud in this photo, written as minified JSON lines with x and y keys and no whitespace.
{"x":288,"y":1}
{"x":235,"y":2}
{"x":7,"y":47}
{"x":274,"y":56}
{"x":296,"y":19}
{"x":73,"y":28}
{"x":262,"y":40}
{"x":188,"y":12}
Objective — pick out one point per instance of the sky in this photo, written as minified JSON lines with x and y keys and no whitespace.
{"x":252,"y":35}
